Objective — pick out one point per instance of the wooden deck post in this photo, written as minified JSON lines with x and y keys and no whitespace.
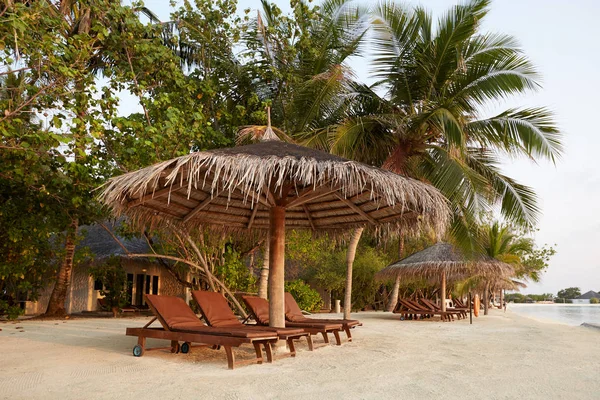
{"x":444,"y":291}
{"x":276,"y":266}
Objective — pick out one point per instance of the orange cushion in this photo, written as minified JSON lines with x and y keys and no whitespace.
{"x":259,"y":307}
{"x":292,"y":310}
{"x":215,"y":309}
{"x":174,"y":311}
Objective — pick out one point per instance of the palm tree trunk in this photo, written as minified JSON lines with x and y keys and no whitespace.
{"x":56,"y":305}
{"x":350,"y":262}
{"x":486,"y":299}
{"x":394,"y":295}
{"x":396,"y":289}
{"x":263,"y":282}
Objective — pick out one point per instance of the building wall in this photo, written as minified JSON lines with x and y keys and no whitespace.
{"x":581,"y":301}
{"x":83,"y":297}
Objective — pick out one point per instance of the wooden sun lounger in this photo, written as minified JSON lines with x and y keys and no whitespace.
{"x":409,"y":308}
{"x":180,"y":324}
{"x":216,"y":313}
{"x":450,"y":311}
{"x":259,"y":308}
{"x":409,"y":311}
{"x":293,"y":313}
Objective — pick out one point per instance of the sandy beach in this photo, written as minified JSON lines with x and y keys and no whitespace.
{"x":500,"y":356}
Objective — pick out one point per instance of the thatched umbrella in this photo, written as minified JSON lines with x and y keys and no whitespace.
{"x":273,"y":185}
{"x":443,"y":261}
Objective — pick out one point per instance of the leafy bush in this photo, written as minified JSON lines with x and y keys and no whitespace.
{"x":594,"y":300}
{"x":234,"y":273}
{"x":307,"y":298}
{"x":114,"y":281}
{"x":367,"y":263}
{"x":10,"y":310}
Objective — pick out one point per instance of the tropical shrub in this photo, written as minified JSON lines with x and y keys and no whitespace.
{"x":367,"y":263}
{"x":114,"y":283}
{"x":594,"y":300}
{"x":234,"y":273}
{"x":307,"y":298}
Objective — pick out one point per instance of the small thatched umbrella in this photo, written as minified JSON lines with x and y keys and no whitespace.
{"x":442,"y":260}
{"x":503,"y":283}
{"x":271,"y":186}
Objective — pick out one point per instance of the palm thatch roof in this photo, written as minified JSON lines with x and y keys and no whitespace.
{"x":236,"y":187}
{"x":444,"y":258}
{"x":101,"y":244}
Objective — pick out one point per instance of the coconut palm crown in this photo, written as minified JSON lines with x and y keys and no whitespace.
{"x":429,"y":124}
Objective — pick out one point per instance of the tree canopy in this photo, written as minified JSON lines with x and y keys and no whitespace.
{"x":89,"y":90}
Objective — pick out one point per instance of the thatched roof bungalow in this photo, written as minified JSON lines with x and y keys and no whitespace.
{"x":143,"y":275}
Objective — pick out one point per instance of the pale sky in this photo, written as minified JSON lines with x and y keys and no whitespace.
{"x":561,"y":38}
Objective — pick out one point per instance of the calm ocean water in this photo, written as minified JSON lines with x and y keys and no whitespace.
{"x":571,"y":314}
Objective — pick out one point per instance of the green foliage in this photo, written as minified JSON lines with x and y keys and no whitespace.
{"x":429,"y":124}
{"x":367,"y":263}
{"x":114,"y":281}
{"x":329,"y":272}
{"x":541,"y":297}
{"x":594,"y":300}
{"x":562,"y":300}
{"x":504,"y":243}
{"x":234,"y":273}
{"x":307,"y":298}
{"x":569,"y":293}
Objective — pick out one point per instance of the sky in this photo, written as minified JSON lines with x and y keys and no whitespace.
{"x":561,"y":38}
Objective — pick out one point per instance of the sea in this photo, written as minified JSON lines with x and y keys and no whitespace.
{"x":570,"y":314}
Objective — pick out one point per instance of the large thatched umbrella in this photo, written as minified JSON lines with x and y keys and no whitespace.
{"x":273,"y":185}
{"x":443,"y":261}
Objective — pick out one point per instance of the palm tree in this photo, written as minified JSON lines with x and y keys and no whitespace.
{"x":428,"y":123}
{"x":302,"y":72}
{"x":501,"y":243}
{"x":300,"y":64}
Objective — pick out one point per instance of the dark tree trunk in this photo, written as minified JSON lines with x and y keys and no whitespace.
{"x":56,"y":305}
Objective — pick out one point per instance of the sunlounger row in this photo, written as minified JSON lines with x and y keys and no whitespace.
{"x":424,"y":308}
{"x":221,"y":328}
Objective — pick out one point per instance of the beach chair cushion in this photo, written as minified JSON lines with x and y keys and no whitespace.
{"x":292,"y":310}
{"x":260,"y":308}
{"x":215,"y":309}
{"x":174,"y":311}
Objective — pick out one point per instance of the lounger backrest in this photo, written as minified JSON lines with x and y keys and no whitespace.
{"x":173,"y":311}
{"x":428,"y":303}
{"x":259,"y":307}
{"x":292,"y":310}
{"x":214,"y":308}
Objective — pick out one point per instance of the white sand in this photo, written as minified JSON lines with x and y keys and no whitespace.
{"x":501,"y":356}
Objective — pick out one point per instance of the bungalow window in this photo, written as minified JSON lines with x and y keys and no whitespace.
{"x":98,"y":284}
{"x":155,"y":284}
{"x":147,"y":284}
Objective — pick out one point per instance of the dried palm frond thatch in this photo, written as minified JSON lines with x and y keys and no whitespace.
{"x":441,"y":258}
{"x":236,"y":188}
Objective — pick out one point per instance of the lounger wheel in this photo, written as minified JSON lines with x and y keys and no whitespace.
{"x":138,"y":350}
{"x":185,"y":348}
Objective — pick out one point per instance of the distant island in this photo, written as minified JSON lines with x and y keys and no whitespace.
{"x":570,"y":295}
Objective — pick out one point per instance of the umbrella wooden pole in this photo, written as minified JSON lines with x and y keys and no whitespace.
{"x":276,"y":266}
{"x":444,"y":291}
{"x":470,"y":309}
